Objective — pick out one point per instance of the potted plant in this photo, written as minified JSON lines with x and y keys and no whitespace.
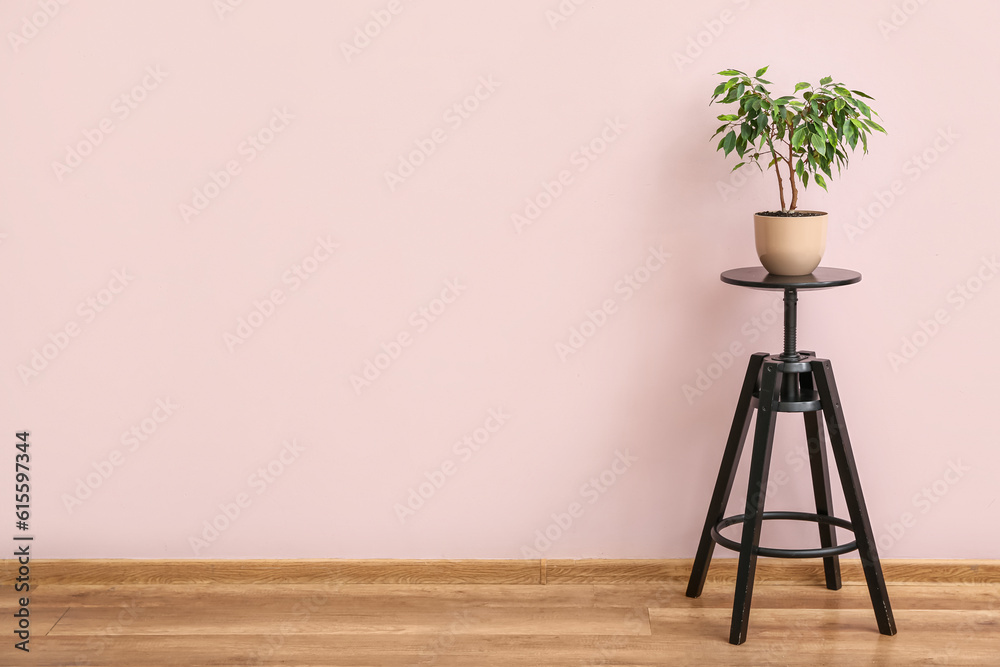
{"x":805,"y":138}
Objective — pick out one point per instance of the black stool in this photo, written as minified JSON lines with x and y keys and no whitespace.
{"x":793,"y":381}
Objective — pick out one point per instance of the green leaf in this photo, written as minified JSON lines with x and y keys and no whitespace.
{"x":840,"y":90}
{"x":800,"y":168}
{"x":802,"y":85}
{"x":826,"y":80}
{"x":805,"y":180}
{"x":763,"y":81}
{"x":731,"y":72}
{"x":875,"y":126}
{"x":746,"y":131}
{"x":761,"y":71}
{"x":865,"y":109}
{"x":738,"y":166}
{"x":720,"y":130}
{"x":860,"y":94}
{"x":781,"y":101}
{"x":728,"y":116}
{"x":819,"y":142}
{"x":729,"y":142}
{"x":821,"y":181}
{"x":798,"y":137}
{"x":839,"y":104}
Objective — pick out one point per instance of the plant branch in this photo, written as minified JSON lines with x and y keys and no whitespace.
{"x":777,"y":158}
{"x":791,"y":175}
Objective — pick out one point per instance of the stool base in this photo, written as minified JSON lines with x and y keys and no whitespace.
{"x":781,"y":384}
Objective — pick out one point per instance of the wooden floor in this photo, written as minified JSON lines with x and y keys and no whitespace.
{"x":643,"y":619}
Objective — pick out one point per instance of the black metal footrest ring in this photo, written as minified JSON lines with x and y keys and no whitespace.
{"x":769,"y":552}
{"x":809,"y":402}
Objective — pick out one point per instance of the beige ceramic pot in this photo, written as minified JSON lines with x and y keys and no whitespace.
{"x":790,"y":246}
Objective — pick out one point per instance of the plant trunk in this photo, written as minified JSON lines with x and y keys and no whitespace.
{"x":781,"y":186}
{"x":777,"y":170}
{"x":791,"y":178}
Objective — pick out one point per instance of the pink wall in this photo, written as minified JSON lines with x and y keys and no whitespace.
{"x":231,"y":167}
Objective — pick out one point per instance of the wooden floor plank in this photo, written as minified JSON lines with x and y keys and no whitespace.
{"x":376,"y":619}
{"x":814,"y":596}
{"x":233,"y":594}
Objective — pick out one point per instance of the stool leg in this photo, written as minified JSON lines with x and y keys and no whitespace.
{"x":820,"y":467}
{"x":727,"y":472}
{"x":760,"y":461}
{"x":844,"y":455}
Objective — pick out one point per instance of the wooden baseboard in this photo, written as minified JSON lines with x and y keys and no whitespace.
{"x":518,"y":572}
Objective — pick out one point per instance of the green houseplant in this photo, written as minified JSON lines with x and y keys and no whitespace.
{"x":804,"y":137}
